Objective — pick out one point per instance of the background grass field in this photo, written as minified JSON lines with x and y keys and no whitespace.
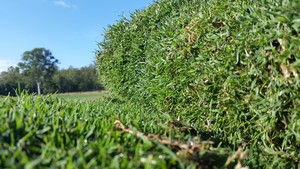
{"x":83,"y":96}
{"x":91,"y":95}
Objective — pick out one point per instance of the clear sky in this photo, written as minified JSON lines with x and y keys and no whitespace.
{"x":70,"y":29}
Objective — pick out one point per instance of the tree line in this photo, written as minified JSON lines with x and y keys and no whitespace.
{"x":38,"y":73}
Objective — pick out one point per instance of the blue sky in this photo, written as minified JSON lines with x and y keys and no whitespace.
{"x":70,"y":29}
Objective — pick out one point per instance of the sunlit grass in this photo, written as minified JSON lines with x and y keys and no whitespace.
{"x":83,"y":96}
{"x":230,"y":68}
{"x":50,"y":132}
{"x":91,"y":95}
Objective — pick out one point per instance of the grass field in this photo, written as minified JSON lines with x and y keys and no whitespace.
{"x":92,"y":95}
{"x":83,"y":96}
{"x":51,"y":132}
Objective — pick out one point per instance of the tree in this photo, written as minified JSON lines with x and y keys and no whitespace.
{"x":89,"y":79}
{"x":39,"y":65}
{"x":74,"y":80}
{"x":67,"y":80}
{"x":10,"y":80}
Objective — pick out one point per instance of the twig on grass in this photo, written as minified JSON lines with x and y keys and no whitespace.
{"x":190,"y":151}
{"x":190,"y":148}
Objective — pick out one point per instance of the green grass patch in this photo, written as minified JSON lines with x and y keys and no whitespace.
{"x":92,"y":95}
{"x":49,"y":132}
{"x":231,"y":68}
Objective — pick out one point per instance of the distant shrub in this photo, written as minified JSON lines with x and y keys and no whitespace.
{"x":230,"y":67}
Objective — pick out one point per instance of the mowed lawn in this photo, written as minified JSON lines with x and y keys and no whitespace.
{"x":2,"y":97}
{"x":91,"y":95}
{"x":49,"y":132}
{"x":82,"y":96}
